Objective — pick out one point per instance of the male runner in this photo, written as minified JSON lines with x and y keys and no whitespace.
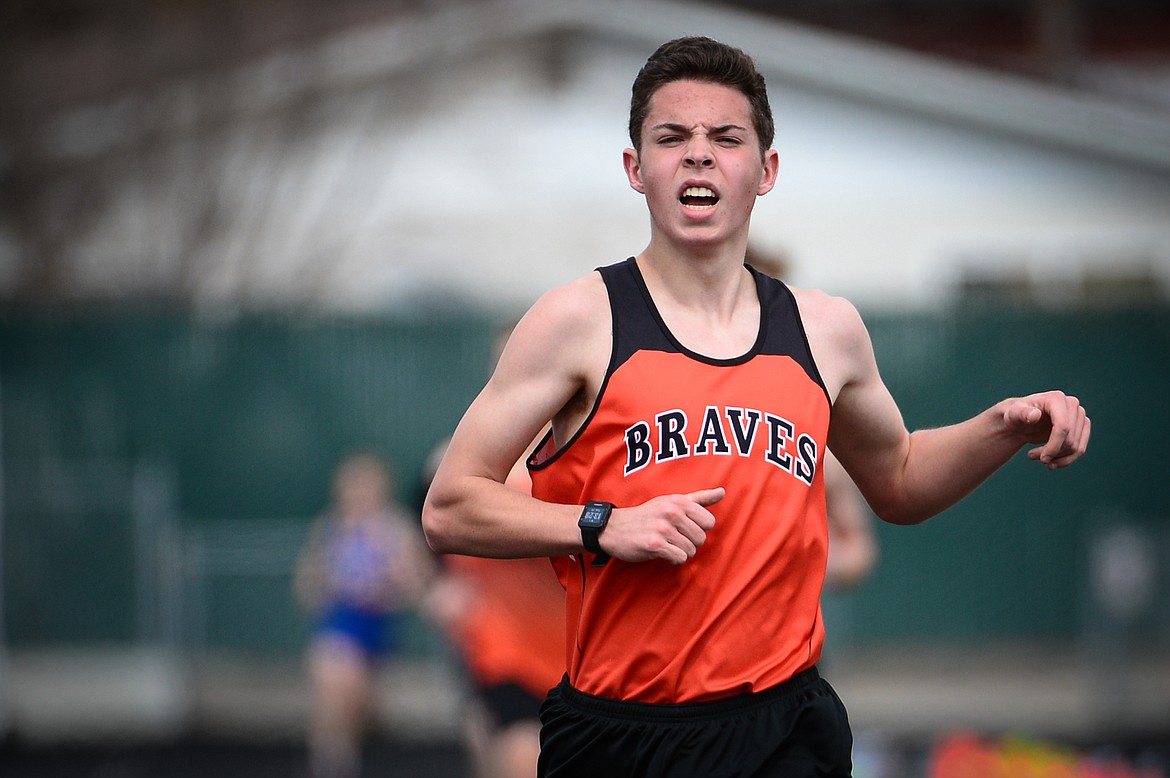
{"x":681,"y":490}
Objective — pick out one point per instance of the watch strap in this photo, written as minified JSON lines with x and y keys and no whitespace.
{"x":590,"y":535}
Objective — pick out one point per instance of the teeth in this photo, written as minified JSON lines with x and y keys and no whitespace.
{"x":698,"y":198}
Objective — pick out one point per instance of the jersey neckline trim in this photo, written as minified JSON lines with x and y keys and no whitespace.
{"x":753,"y":351}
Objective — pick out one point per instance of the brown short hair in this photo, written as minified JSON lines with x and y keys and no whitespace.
{"x":698,"y":58}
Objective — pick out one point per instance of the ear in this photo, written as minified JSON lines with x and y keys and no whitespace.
{"x":633,"y":170}
{"x":771,"y":170}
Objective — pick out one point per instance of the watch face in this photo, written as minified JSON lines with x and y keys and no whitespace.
{"x":593,"y":516}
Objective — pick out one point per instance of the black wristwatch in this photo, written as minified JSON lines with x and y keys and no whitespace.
{"x":592,"y":522}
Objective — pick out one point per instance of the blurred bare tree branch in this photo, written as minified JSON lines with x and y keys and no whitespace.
{"x":129,"y":101}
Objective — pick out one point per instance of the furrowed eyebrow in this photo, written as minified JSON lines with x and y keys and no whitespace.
{"x":673,"y":127}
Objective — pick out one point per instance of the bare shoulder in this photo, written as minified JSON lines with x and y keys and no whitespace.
{"x":555,"y":360}
{"x":836,"y":334}
{"x":563,"y":338}
{"x":574,"y":305}
{"x":562,"y":323}
{"x":827,"y":315}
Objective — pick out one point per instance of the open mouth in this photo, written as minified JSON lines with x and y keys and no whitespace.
{"x":698,"y":197}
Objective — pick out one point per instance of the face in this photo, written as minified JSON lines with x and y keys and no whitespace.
{"x":700,"y":167}
{"x":361,"y":489}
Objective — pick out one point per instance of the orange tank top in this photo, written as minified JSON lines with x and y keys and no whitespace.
{"x":744,"y":614}
{"x":514,"y":631}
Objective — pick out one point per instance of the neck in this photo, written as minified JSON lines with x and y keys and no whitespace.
{"x":711,"y":307}
{"x":715,"y":280}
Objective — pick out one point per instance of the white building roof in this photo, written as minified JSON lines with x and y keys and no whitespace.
{"x":436,"y":160}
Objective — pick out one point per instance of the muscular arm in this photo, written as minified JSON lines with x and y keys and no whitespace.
{"x":469,"y":509}
{"x":549,"y":371}
{"x":909,"y":477}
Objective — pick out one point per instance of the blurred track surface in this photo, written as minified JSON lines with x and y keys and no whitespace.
{"x":220,"y":759}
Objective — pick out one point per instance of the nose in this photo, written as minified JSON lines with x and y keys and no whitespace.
{"x":699,"y":153}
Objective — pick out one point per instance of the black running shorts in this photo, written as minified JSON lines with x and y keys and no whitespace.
{"x":798,"y":729}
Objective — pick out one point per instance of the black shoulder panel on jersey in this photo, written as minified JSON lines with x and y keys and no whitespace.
{"x":638,"y":326}
{"x":783,"y":329}
{"x":636,"y":323}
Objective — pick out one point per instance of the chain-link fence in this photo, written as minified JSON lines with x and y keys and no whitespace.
{"x":160,"y":473}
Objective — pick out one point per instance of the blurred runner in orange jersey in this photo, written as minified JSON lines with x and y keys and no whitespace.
{"x":506,"y":617}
